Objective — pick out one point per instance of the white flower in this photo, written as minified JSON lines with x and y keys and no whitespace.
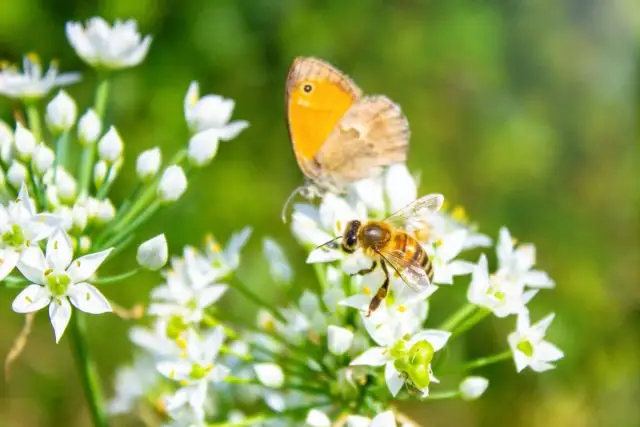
{"x":370,"y":191}
{"x":442,"y":257}
{"x":148,"y":163}
{"x":172,"y":184}
{"x":516,"y":263}
{"x":153,"y":253}
{"x":110,"y":146}
{"x":203,"y":147}
{"x":195,"y":371}
{"x":42,"y":159}
{"x":472,"y":388}
{"x":227,"y":260}
{"x":30,"y":83}
{"x":89,"y":127}
{"x":529,"y":347}
{"x":211,"y":112}
{"x":161,"y":342}
{"x":279,"y":267}
{"x":102,"y":46}
{"x":495,"y":292}
{"x":384,"y":419}
{"x":61,"y":113}
{"x":317,"y":418}
{"x":269,"y":374}
{"x":105,"y":212}
{"x":21,"y":227}
{"x":25,"y":142}
{"x":444,"y":223}
{"x":131,"y":384}
{"x":405,"y":358}
{"x":56,"y":279}
{"x":16,"y":174}
{"x":339,"y":339}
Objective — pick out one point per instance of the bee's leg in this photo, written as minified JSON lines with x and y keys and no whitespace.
{"x":382,"y":292}
{"x":366,"y":270}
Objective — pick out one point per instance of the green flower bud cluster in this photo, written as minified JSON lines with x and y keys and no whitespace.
{"x":414,"y":362}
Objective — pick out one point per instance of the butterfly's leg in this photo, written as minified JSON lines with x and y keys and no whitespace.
{"x":382,"y":292}
{"x":366,"y":270}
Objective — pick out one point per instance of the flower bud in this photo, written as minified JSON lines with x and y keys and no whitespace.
{"x":16,"y":174}
{"x":153,"y":253}
{"x":148,"y":163}
{"x":279,"y":267}
{"x":473,"y":387}
{"x":66,"y":185}
{"x":61,"y":113}
{"x":89,"y":127}
{"x":317,"y":418}
{"x":42,"y":159}
{"x":25,"y":142}
{"x":110,"y":146}
{"x":203,"y":147}
{"x":99,"y":173}
{"x":51,"y":193}
{"x":84,"y":244}
{"x":6,"y":142}
{"x":340,"y":340}
{"x":79,"y":217}
{"x":106,"y":211}
{"x":172,"y":184}
{"x":269,"y":374}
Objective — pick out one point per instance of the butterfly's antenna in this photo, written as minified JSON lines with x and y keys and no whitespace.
{"x":293,"y":194}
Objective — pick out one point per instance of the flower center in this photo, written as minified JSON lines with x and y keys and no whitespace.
{"x":57,"y":283}
{"x":175,"y":327}
{"x":526,"y":347}
{"x":14,"y":237}
{"x":198,"y":371}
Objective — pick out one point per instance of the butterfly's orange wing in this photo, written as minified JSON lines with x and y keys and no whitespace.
{"x":317,"y":97}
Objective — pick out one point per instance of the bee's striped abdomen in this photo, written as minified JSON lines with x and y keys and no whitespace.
{"x":414,"y":253}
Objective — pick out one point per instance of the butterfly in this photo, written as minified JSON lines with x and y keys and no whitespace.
{"x":339,"y":135}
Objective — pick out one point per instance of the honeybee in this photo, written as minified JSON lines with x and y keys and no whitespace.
{"x":389,"y":244}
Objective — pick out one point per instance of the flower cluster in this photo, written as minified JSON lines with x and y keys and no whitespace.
{"x":327,"y":358}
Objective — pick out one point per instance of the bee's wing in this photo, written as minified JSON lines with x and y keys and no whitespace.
{"x":411,"y":273}
{"x":414,"y":214}
{"x":373,"y":133}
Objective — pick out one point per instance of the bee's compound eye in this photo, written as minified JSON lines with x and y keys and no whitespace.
{"x":351,"y":241}
{"x":307,"y":88}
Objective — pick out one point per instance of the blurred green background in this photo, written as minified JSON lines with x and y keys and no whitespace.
{"x":523,"y":111}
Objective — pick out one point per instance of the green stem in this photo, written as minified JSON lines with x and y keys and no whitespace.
{"x":62,"y":148}
{"x":285,"y":386}
{"x":117,"y":238}
{"x":457,"y":317}
{"x":35,"y":124}
{"x":12,"y":282}
{"x":254,"y":298}
{"x":212,"y":322}
{"x":442,"y":395}
{"x":106,"y":185}
{"x":484,"y":361}
{"x":102,"y":93}
{"x":38,"y":191}
{"x":117,"y":278}
{"x":87,"y":369}
{"x":470,"y":322}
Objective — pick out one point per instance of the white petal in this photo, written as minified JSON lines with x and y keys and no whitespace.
{"x":84,"y":267}
{"x":370,"y":192}
{"x":279,"y":267}
{"x":31,"y":298}
{"x":539,"y":366}
{"x":179,"y":399}
{"x":87,"y":298}
{"x":358,"y":421}
{"x":175,"y":370}
{"x":213,"y":342}
{"x":393,"y":378}
{"x":210,"y":294}
{"x":317,"y":418}
{"x":25,"y":200}
{"x":504,"y":248}
{"x":59,"y":251}
{"x":8,"y":260}
{"x":548,"y":352}
{"x":324,"y":255}
{"x":473,"y":387}
{"x":452,"y":245}
{"x":197,"y":397}
{"x":521,"y":360}
{"x":269,"y":374}
{"x":232,"y":130}
{"x":384,"y":419}
{"x":218,"y":373}
{"x":359,"y":302}
{"x":339,"y":339}
{"x":438,"y":339}
{"x":400,"y":187}
{"x":59,"y":314}
{"x":373,"y":357}
{"x":538,"y":279}
{"x":460,"y":268}
{"x":523,"y":322}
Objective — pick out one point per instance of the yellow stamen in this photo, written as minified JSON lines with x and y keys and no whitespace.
{"x":366,"y":290}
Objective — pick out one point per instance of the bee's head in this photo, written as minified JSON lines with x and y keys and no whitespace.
{"x":350,"y":236}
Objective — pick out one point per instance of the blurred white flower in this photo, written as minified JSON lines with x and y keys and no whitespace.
{"x":226,"y":261}
{"x":405,"y":358}
{"x":65,"y":184}
{"x":61,"y":113}
{"x":516,"y":263}
{"x":195,"y":371}
{"x":16,"y":174}
{"x":383,"y":419}
{"x":24,"y":142}
{"x":339,"y":339}
{"x":472,"y":388}
{"x":529,"y":347}
{"x":56,"y":279}
{"x":110,"y":146}
{"x":148,"y":163}
{"x":79,"y":217}
{"x":445,"y":266}
{"x":279,"y":267}
{"x":211,"y":112}
{"x":42,"y":159}
{"x":110,"y":47}
{"x":400,"y":187}
{"x":317,"y":418}
{"x":105,"y":212}
{"x":89,"y":127}
{"x":20,"y":227}
{"x":100,"y":173}
{"x":203,"y":147}
{"x":172,"y":184}
{"x":131,"y":384}
{"x":161,"y":341}
{"x":269,"y":374}
{"x":153,"y":253}
{"x":31,"y":83}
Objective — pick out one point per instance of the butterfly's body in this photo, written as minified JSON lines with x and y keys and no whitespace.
{"x":340,"y":136}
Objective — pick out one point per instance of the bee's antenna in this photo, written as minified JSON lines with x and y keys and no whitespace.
{"x":293,"y":194}
{"x":329,"y":242}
